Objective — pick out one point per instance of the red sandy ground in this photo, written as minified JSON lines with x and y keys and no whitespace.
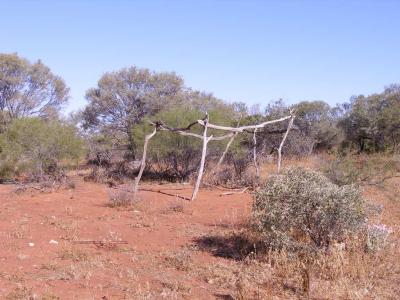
{"x":155,"y":229}
{"x":154,"y":264}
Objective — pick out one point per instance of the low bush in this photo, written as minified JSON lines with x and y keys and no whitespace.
{"x":303,"y":210}
{"x":377,"y":236}
{"x":118,"y":198}
{"x":362,"y":169}
{"x":36,"y":149}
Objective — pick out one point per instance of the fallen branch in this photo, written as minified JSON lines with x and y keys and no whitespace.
{"x":165,"y":193}
{"x":101,"y":244}
{"x":157,"y":191}
{"x":378,"y":182}
{"x":233,"y":193}
{"x":221,"y":187}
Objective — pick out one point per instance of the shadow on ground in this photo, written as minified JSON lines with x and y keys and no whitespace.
{"x":231,"y":246}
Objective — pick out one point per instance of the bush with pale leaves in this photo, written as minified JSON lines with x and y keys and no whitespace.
{"x":302,"y":209}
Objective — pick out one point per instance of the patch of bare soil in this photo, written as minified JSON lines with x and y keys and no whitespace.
{"x":71,"y":245}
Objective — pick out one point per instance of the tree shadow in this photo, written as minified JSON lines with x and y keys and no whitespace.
{"x":224,"y":297}
{"x":233,"y":246}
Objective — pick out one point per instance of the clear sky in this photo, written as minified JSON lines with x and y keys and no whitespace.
{"x":252,"y":51}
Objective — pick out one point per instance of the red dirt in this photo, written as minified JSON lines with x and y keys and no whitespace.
{"x":157,"y":230}
{"x":166,"y":255}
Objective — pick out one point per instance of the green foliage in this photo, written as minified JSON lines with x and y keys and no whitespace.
{"x":165,"y":142}
{"x":316,"y":120}
{"x":372,"y":123}
{"x":302,"y":209}
{"x":174,"y":155}
{"x":361,"y":169}
{"x":100,"y":149}
{"x":29,"y":89}
{"x":33,"y":147}
{"x":299,"y":141}
{"x":124,"y":98}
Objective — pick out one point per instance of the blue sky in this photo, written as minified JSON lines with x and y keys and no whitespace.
{"x":251,"y":51}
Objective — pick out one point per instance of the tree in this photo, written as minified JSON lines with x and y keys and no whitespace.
{"x":123,"y":98}
{"x":28,"y":89}
{"x":372,"y":123}
{"x":297,"y":141}
{"x":317,"y":121}
{"x":389,"y":119}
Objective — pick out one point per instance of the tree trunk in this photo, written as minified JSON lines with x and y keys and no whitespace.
{"x":131,"y":145}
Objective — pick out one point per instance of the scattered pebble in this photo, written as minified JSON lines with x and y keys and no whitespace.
{"x":53,"y":242}
{"x":31,"y":244}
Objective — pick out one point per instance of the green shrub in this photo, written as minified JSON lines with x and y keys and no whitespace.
{"x":362,"y":169}
{"x":302,"y":209}
{"x":34,"y":148}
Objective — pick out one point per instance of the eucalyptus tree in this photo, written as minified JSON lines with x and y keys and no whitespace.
{"x":316,"y":119}
{"x":124,"y":98}
{"x":29,"y":89}
{"x":372,"y":123}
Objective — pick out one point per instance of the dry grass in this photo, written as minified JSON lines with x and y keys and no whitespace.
{"x":118,"y":197}
{"x":75,"y":255}
{"x":21,"y":293}
{"x":175,"y":207}
{"x":180,"y":260}
{"x":350,"y":273}
{"x":174,"y":289}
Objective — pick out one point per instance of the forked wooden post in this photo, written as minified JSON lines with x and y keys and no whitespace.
{"x":233,"y":132}
{"x":203,"y":158}
{"x":142,"y":163}
{"x":221,"y":159}
{"x":226,"y":150}
{"x":255,"y":153}
{"x":283,"y":141}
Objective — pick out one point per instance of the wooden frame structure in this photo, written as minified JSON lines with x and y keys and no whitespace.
{"x":233,"y":132}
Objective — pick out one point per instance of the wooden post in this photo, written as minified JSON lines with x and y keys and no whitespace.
{"x":234,"y":131}
{"x":142,"y":163}
{"x":283,"y":142}
{"x":203,"y":158}
{"x":255,"y":152}
{"x":226,"y":150}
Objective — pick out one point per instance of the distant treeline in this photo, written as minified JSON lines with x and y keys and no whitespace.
{"x":36,"y":140}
